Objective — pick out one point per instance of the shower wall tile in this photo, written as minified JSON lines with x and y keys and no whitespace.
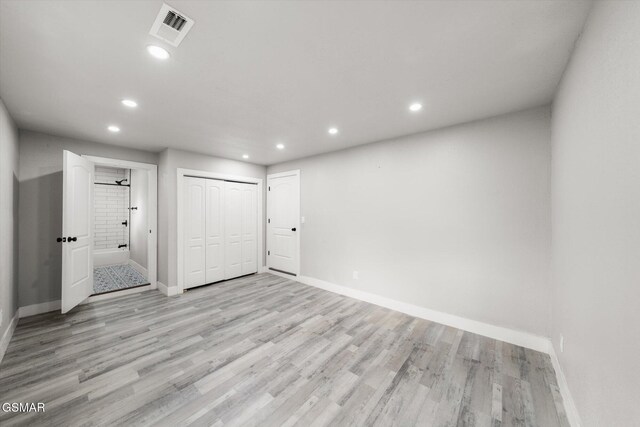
{"x":111,"y":205}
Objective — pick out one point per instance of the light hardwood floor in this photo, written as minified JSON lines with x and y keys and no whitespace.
{"x":267,"y":351}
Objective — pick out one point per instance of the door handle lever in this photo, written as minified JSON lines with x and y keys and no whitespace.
{"x":72,"y":239}
{"x":61,"y":239}
{"x":293,"y":229}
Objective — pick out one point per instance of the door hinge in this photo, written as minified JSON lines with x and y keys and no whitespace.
{"x":269,"y":188}
{"x":269,"y":221}
{"x":268,"y":252}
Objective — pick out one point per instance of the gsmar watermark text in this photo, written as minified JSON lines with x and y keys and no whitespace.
{"x":22,"y":407}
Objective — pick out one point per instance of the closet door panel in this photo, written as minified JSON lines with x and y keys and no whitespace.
{"x":194,"y":229}
{"x":214,"y":227}
{"x":233,"y":229}
{"x":249,"y":229}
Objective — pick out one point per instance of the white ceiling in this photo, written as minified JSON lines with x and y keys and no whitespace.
{"x":251,"y":74}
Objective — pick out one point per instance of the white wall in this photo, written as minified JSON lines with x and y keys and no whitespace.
{"x":455,"y":220}
{"x":40,"y":256}
{"x":139,"y":217}
{"x":596,"y":217}
{"x":168,"y":163}
{"x":8,"y":221}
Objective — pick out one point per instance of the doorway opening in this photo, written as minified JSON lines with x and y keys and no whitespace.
{"x":120,"y":224}
{"x":109,"y":224}
{"x":283,"y":222}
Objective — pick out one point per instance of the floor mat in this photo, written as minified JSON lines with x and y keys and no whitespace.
{"x":115,"y":277}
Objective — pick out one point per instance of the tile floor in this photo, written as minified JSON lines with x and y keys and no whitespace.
{"x":116,"y":277}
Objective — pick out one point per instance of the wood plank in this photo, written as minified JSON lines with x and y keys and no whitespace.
{"x":265,"y":350}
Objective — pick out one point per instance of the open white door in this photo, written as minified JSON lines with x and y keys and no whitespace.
{"x":283,"y":222}
{"x":77,"y":230}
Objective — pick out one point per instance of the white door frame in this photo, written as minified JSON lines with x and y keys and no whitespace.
{"x":152,"y":218}
{"x":296,"y":173}
{"x":182,"y":172}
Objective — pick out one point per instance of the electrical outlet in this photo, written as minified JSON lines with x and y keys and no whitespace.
{"x":561,"y":343}
{"x":356,"y":275}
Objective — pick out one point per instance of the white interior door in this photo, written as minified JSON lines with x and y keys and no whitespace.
{"x":283,"y":215}
{"x":215,"y":230}
{"x":249,"y":228}
{"x":77,"y":230}
{"x":194,"y":232}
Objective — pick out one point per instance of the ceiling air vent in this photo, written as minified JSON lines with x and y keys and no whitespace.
{"x":170,"y":25}
{"x":174,"y":20}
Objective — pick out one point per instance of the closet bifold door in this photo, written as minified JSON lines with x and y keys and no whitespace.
{"x":249,"y":228}
{"x":214,"y":229}
{"x":232,"y":229}
{"x":194,"y":232}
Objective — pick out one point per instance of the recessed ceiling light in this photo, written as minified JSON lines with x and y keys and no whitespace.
{"x":245,"y":156}
{"x":280,"y":146}
{"x":416,"y":106}
{"x":114,"y":128}
{"x":333,"y":131}
{"x":158,"y":52}
{"x":129,"y":103}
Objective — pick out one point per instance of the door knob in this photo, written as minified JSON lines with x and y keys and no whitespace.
{"x":61,"y":239}
{"x":293,"y":229}
{"x":72,"y":239}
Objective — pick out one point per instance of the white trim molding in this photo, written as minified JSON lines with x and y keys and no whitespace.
{"x":181,"y":173}
{"x":152,"y":200}
{"x":521,"y":338}
{"x":168,"y":290}
{"x":6,"y":337}
{"x":43,"y":307}
{"x":512,"y":336}
{"x":118,"y":163}
{"x":46,"y":307}
{"x":140,"y":269}
{"x":569,"y":404}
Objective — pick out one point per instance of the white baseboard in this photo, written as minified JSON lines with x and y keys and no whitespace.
{"x":8,"y":333}
{"x":103,"y":257}
{"x":167,"y":290}
{"x":521,"y":338}
{"x":140,"y":269}
{"x":43,"y":307}
{"x":46,"y":307}
{"x":567,"y":398}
